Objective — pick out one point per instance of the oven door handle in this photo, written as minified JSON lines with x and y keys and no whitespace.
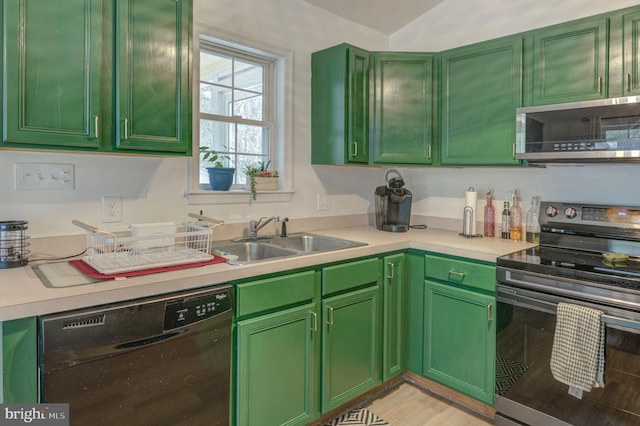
{"x":513,"y":278}
{"x":552,"y":307}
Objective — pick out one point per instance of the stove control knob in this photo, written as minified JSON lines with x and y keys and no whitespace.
{"x":551,"y":211}
{"x":570,"y":213}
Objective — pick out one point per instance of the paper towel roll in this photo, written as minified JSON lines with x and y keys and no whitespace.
{"x":471,"y":200}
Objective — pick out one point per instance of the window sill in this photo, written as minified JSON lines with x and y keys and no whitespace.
{"x":237,"y":197}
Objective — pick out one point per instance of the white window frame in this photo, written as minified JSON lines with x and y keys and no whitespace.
{"x":280,"y":137}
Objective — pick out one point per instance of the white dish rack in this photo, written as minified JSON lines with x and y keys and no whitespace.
{"x":149,"y":246}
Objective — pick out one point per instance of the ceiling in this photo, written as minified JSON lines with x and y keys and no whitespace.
{"x":383,"y":15}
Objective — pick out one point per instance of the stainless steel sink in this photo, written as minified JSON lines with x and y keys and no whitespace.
{"x":265,"y":248}
{"x":250,"y":252}
{"x":311,"y":243}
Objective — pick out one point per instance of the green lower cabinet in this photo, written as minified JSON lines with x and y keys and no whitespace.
{"x":19,"y":371}
{"x":459,"y":341}
{"x":393,"y":316}
{"x":351,"y":344}
{"x":275,"y":375}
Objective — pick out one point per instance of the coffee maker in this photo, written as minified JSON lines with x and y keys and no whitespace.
{"x":393,"y":204}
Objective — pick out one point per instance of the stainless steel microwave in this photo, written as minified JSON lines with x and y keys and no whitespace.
{"x":600,"y":130}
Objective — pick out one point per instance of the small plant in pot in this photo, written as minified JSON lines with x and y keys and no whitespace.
{"x":220,"y":177}
{"x":259,"y":177}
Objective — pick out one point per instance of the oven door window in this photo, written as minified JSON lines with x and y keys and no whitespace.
{"x":523,"y":352}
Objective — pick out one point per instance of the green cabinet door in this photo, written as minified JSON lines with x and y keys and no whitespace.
{"x":570,"y":62}
{"x":459,"y":344}
{"x":19,"y":371}
{"x":393,"y":316}
{"x":631,"y":54}
{"x":276,"y":365}
{"x":481,"y":87}
{"x":340,"y":106}
{"x":403,"y":108}
{"x":351,"y":346}
{"x":52,"y":73}
{"x":152,"y":85}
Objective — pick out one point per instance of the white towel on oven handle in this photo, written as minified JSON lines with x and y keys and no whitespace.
{"x":577,"y":357}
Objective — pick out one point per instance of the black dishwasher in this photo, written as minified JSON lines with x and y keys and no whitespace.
{"x":156,"y":361}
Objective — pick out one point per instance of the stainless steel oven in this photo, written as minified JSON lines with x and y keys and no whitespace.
{"x":588,"y":256}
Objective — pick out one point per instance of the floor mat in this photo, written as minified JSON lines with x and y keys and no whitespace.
{"x":358,"y":417}
{"x":507,"y":373}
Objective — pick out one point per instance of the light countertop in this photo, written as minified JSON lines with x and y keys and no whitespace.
{"x":22,"y":294}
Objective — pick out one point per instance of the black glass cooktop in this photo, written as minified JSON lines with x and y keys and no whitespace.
{"x":578,"y":265}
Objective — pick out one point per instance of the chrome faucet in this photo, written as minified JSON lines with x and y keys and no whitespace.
{"x":256,"y":225}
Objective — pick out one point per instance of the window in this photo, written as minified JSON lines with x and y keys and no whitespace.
{"x":236,"y":108}
{"x":242,"y":109}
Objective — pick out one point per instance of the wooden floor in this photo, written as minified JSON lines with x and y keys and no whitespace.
{"x":407,"y":405}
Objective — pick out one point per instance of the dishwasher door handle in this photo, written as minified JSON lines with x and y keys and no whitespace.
{"x":148,"y":340}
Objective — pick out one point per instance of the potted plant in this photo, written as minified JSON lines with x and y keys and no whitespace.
{"x":220,"y":177}
{"x":259,"y":177}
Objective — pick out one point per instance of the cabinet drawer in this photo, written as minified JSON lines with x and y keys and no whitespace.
{"x":460,"y":272}
{"x":272,"y":293}
{"x":349,"y":275}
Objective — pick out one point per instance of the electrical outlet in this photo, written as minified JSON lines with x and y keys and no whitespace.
{"x":324,"y":202}
{"x":111,"y":209}
{"x":43,"y":176}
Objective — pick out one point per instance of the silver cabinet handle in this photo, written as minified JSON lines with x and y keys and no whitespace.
{"x":126,"y":129}
{"x":330,"y":321}
{"x":95,"y":127}
{"x":460,"y":275}
{"x":354,"y":152}
{"x":599,"y":84}
{"x":513,"y":151}
{"x":429,"y":151}
{"x":392,"y":271}
{"x":315,"y":321}
{"x":489,"y":318}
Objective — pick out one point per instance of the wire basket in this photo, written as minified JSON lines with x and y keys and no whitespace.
{"x":147,"y":246}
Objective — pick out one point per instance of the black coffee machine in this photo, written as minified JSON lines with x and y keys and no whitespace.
{"x":393,"y":204}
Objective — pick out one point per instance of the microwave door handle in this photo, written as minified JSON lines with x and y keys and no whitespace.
{"x":550,"y":307}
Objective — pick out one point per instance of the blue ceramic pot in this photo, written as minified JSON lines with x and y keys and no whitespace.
{"x":221,"y":178}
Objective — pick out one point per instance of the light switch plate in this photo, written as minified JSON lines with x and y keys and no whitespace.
{"x":43,"y":176}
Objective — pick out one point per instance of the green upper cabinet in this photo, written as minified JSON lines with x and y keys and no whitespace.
{"x":77,"y":71}
{"x":631,"y":53}
{"x":570,"y":62}
{"x":52,"y":73}
{"x":481,"y":87}
{"x":403,"y":108}
{"x":340,"y":105}
{"x":153,"y":96}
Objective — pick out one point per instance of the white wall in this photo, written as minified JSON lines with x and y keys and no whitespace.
{"x":153,"y":188}
{"x":455,"y":23}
